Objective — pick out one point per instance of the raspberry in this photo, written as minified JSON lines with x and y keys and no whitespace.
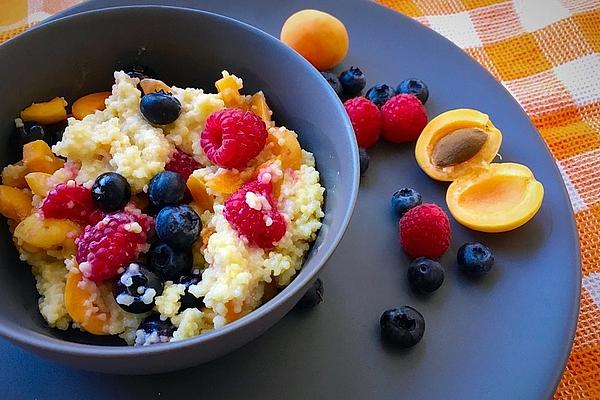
{"x":69,"y":201}
{"x":112,"y":243}
{"x":425,"y":231}
{"x":366,"y":120}
{"x":232,"y":137}
{"x":183,"y":164}
{"x":404,"y":118}
{"x":252,"y":212}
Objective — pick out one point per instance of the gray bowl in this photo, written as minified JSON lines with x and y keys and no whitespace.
{"x":77,"y":55}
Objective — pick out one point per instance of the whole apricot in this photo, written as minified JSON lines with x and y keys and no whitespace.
{"x":319,"y":37}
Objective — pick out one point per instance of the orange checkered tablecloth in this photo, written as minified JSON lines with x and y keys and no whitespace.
{"x":547,"y":54}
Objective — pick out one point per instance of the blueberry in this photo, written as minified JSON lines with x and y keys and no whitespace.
{"x":111,"y":191}
{"x":404,"y":199}
{"x":54,"y":132}
{"x":166,"y":188}
{"x":136,"y":288}
{"x":402,"y":327}
{"x":154,"y":330}
{"x":475,"y":259}
{"x":28,"y":132}
{"x":333,"y":81}
{"x":178,"y":226}
{"x":415,"y":87}
{"x":425,"y":275}
{"x":188,"y":300}
{"x":380,"y":94}
{"x":312,"y":297}
{"x":169,"y":262}
{"x":140,"y":72}
{"x":353,"y":81}
{"x":364,"y":160}
{"x":160,"y":108}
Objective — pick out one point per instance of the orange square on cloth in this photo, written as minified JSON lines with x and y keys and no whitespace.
{"x":566,"y":141}
{"x":517,"y":57}
{"x":589,"y":26}
{"x":555,"y":50}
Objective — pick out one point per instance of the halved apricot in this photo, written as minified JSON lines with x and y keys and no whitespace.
{"x":498,"y":198}
{"x":198,"y":190}
{"x":88,"y":104}
{"x":287,"y":148}
{"x":83,"y":302}
{"x":49,"y":112}
{"x":38,"y":157}
{"x":455,"y":142}
{"x":15,"y":204}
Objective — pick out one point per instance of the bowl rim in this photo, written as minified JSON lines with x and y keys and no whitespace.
{"x":34,"y":340}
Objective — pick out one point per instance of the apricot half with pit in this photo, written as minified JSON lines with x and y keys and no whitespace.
{"x":459,"y":146}
{"x":498,"y":198}
{"x":455,"y":142}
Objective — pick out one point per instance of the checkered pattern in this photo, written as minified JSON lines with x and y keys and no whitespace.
{"x":547,"y":54}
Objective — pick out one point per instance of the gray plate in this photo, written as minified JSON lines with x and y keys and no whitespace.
{"x":507,"y":336}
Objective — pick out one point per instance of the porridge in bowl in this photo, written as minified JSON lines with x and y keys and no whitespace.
{"x":160,"y":213}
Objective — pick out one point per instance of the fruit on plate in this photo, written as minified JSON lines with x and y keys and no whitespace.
{"x":499,"y":198}
{"x":49,"y":112}
{"x":88,"y":104}
{"x":319,"y":37}
{"x":403,"y":118}
{"x":425,"y":231}
{"x":459,"y":146}
{"x":312,"y":297}
{"x":402,"y":327}
{"x":455,"y":142}
{"x":366,"y":120}
{"x":475,"y":259}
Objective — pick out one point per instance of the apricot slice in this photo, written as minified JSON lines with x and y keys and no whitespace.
{"x":88,"y":104}
{"x":258,"y":105}
{"x":229,"y":88}
{"x":455,"y":142}
{"x":14,"y":175}
{"x":320,"y":38}
{"x":41,"y":233}
{"x":498,"y":198}
{"x":38,"y":157}
{"x":198,"y":190}
{"x":83,"y":303}
{"x":276,"y":181}
{"x":49,"y":112}
{"x":225,"y":183}
{"x":15,"y":204}
{"x":39,"y":183}
{"x":150,"y":85}
{"x":287,"y":148}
